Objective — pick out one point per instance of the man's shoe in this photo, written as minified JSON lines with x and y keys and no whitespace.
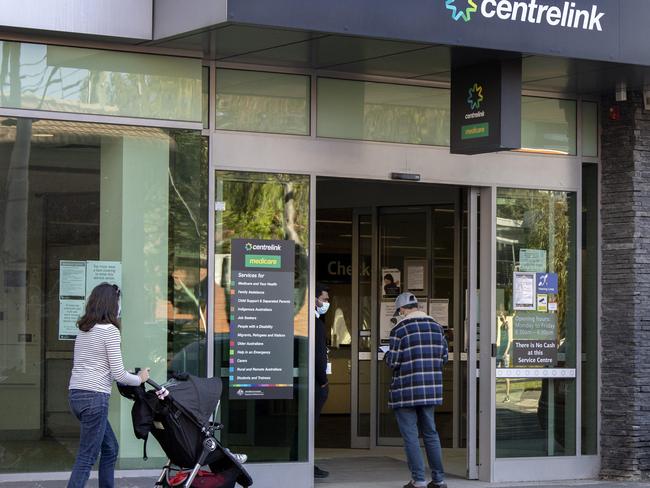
{"x":320,"y":473}
{"x":411,"y":484}
{"x":440,"y":484}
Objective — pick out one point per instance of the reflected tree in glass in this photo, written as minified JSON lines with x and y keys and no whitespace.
{"x":264,"y":206}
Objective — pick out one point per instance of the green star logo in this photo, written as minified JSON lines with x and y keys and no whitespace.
{"x":460,"y":13}
{"x":249,"y":246}
{"x":475,"y":96}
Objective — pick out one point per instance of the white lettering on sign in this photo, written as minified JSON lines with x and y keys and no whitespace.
{"x":530,"y":11}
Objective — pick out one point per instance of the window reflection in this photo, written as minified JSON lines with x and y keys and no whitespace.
{"x":383,"y":112}
{"x":86,"y":192}
{"x":264,"y":206}
{"x":535,"y":236}
{"x":262,"y":102}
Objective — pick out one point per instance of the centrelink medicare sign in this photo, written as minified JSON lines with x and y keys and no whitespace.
{"x":568,"y":15}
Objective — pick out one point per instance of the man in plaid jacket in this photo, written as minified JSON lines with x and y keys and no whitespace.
{"x":417,"y":354}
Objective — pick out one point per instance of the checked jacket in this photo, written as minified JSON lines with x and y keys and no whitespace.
{"x":417,"y":354}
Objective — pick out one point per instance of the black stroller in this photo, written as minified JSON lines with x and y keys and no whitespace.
{"x":181,"y":425}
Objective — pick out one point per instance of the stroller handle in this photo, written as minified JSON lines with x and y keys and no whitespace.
{"x":154,"y":384}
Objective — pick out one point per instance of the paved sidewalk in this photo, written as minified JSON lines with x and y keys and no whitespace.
{"x":355,"y":472}
{"x":368,"y":483}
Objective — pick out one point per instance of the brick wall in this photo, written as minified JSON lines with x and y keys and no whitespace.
{"x":625,"y":327}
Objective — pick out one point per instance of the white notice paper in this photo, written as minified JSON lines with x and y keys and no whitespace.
{"x":439,"y":310}
{"x":523,"y":291}
{"x":532,"y":260}
{"x":72,"y":279}
{"x":415,"y":276}
{"x":385,"y":314}
{"x":69,"y":313}
{"x":103,"y":272}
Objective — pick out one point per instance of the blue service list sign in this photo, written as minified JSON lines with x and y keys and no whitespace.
{"x":261,"y":319}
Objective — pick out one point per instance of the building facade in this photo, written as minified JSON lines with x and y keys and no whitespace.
{"x":218,"y":158}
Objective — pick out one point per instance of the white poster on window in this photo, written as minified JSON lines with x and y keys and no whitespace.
{"x":102,"y":272}
{"x":439,"y":310}
{"x":391,"y":284}
{"x":415,"y":275}
{"x":523,"y":291}
{"x":532,"y":260}
{"x":69,"y":313}
{"x":72,"y":279}
{"x":386,"y":312}
{"x":77,"y":279}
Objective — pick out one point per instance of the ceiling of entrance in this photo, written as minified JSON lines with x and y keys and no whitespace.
{"x":379,"y":57}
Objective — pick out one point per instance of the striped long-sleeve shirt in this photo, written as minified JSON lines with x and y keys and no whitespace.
{"x":418,"y":351}
{"x":98,"y":360}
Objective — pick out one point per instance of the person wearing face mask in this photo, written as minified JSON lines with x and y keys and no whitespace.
{"x":322,"y":385}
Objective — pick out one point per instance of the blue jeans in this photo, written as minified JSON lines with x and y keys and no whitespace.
{"x":408,"y":420}
{"x":91,"y":409}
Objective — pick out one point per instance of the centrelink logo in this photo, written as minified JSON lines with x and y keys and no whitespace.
{"x":475,"y":96}
{"x":529,"y":11}
{"x":460,"y":13}
{"x":474,"y":99}
{"x":262,"y":247}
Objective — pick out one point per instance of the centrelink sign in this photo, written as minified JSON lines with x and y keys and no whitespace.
{"x":485,"y":105}
{"x":605,"y":30}
{"x":568,"y":15}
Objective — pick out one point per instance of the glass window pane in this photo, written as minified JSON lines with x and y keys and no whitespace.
{"x":548,"y":124}
{"x":590,"y":275}
{"x":402,"y":236}
{"x":536,"y":324}
{"x":383,"y":112}
{"x":92,"y":81}
{"x":590,"y":129}
{"x":87,"y":192}
{"x":264,"y":206}
{"x":255,"y":101}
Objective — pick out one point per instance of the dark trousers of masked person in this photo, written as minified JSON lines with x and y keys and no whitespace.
{"x":320,"y":397}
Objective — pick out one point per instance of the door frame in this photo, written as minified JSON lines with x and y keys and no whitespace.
{"x":472,"y":201}
{"x":481,"y":465}
{"x":472,"y":331}
{"x":487,"y":320}
{"x":357,"y":441}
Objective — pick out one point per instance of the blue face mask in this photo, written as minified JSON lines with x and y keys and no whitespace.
{"x":322,"y":310}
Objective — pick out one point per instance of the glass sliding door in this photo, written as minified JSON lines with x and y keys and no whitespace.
{"x":403,"y":236}
{"x":418,"y":252}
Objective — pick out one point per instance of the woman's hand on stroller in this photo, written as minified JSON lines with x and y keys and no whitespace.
{"x":162,"y":393}
{"x":144,"y":374}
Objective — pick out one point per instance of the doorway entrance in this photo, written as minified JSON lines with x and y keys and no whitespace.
{"x":375,"y":239}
